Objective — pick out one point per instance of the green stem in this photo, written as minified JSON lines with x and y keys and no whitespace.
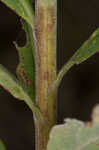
{"x":45,"y":60}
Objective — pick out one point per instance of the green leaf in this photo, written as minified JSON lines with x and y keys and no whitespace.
{"x":26,"y":67}
{"x":12,"y":85}
{"x":23,"y":8}
{"x":2,"y":146}
{"x":74,"y":135}
{"x":88,"y":49}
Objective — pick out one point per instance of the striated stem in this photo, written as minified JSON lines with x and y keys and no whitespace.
{"x":45,"y":59}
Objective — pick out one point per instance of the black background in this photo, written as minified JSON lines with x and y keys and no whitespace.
{"x":79,"y":90}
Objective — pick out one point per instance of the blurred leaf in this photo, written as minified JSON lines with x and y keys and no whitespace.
{"x":89,"y":48}
{"x":26,"y":67}
{"x":23,"y":8}
{"x":2,"y":146}
{"x":74,"y":135}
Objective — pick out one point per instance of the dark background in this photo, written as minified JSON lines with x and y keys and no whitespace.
{"x":79,"y":90}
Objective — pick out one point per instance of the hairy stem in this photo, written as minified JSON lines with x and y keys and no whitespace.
{"x":45,"y":42}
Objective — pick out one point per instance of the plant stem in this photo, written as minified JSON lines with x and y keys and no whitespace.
{"x":45,"y":59}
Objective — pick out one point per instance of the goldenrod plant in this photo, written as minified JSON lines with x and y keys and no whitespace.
{"x":37,"y":79}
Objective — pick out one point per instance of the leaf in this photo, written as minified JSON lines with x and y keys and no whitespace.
{"x":74,"y":135}
{"x":26,"y":67}
{"x":2,"y":146}
{"x":88,"y":49}
{"x":23,"y":8}
{"x":12,"y":85}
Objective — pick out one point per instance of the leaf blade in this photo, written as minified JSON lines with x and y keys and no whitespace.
{"x":23,"y":8}
{"x":88,"y":49}
{"x":26,"y":67}
{"x":12,"y":85}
